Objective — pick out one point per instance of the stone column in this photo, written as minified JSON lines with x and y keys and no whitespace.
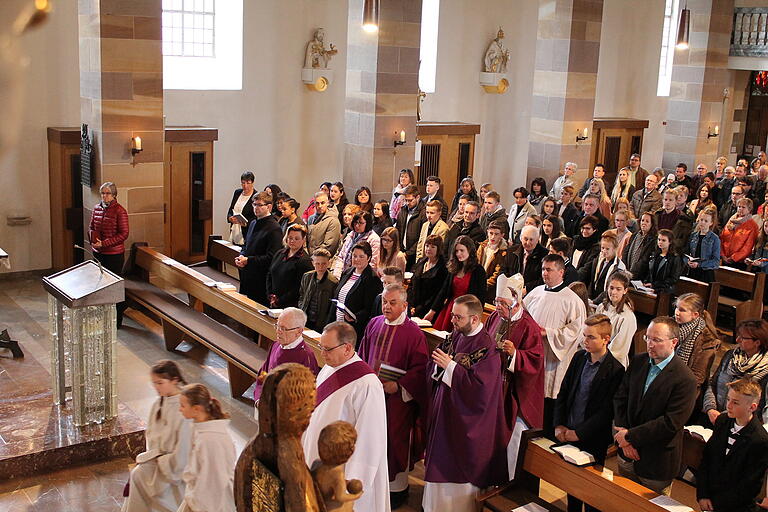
{"x":381,"y":91}
{"x":699,"y":75}
{"x":565,"y":78}
{"x":121,"y":96}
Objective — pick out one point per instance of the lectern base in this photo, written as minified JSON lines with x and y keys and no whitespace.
{"x":7,"y":343}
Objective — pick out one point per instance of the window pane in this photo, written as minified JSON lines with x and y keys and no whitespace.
{"x":189,"y":5}
{"x":208,"y":22}
{"x":209,"y":6}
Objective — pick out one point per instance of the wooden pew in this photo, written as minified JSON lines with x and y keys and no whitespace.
{"x":652,"y":304}
{"x":753,"y":284}
{"x":236,"y":306}
{"x":587,"y":484}
{"x":219,"y":254}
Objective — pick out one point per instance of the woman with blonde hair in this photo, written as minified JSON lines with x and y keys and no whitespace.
{"x":623,"y":188}
{"x":698,"y":342}
{"x":622,"y":205}
{"x":597,"y":187}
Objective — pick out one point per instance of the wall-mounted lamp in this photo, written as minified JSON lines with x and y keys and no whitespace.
{"x":371,"y":16}
{"x":580,"y":137}
{"x":136,"y":145}
{"x":711,"y":134}
{"x":402,"y":139}
{"x":683,"y":30}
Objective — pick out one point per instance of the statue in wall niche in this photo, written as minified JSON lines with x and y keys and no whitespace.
{"x":336,"y":445}
{"x":271,"y":474}
{"x":318,"y":55}
{"x":496,"y":56}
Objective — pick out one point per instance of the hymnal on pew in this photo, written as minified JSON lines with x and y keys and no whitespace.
{"x":421,"y":322}
{"x":573,"y":455}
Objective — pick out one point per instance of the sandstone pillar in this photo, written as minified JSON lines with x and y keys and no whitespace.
{"x":121,"y":96}
{"x":565,"y":78}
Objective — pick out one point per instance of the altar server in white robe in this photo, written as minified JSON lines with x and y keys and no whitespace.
{"x":155,"y":481}
{"x":210,"y":472}
{"x":561,"y":315}
{"x":349,"y":390}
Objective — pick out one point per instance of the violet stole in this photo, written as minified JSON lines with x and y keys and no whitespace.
{"x":341,"y":378}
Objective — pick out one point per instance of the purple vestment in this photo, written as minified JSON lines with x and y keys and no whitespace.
{"x":524,"y":395}
{"x":278,"y":355}
{"x":467,"y":434}
{"x":404,"y":347}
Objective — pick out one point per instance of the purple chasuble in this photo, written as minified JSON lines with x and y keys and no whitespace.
{"x":405,"y":348}
{"x":467,"y":434}
{"x":525,"y":386}
{"x":301,"y":354}
{"x":341,"y":378}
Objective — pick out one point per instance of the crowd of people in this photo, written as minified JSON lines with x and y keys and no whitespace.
{"x":555,"y":353}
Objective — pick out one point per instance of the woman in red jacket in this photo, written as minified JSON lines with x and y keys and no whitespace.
{"x":739,"y":235}
{"x":107,"y":233}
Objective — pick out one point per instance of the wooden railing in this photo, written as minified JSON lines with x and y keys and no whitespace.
{"x":749,"y":37}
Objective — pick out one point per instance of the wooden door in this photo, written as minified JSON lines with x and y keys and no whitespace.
{"x":188,"y":199}
{"x":615,"y":146}
{"x":66,"y":197}
{"x":450,"y":157}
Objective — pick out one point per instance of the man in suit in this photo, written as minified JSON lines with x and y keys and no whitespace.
{"x":528,"y":256}
{"x":433,"y":194}
{"x":655,"y":399}
{"x":409,"y":220}
{"x":470,"y":227}
{"x":263,"y":240}
{"x":584,"y":407}
{"x":730,"y":476}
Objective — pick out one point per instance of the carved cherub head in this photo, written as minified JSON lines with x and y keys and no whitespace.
{"x":336,"y":443}
{"x":294,"y":398}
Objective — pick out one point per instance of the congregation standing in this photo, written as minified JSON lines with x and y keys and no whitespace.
{"x":555,"y":354}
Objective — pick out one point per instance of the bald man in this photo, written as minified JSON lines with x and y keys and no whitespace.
{"x":528,"y":256}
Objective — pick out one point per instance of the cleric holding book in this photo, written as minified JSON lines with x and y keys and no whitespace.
{"x":467,"y":434}
{"x":396,"y":349}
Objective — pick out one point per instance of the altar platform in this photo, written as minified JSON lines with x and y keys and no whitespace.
{"x":37,"y":436}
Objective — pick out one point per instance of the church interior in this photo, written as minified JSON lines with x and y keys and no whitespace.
{"x":171,"y":102}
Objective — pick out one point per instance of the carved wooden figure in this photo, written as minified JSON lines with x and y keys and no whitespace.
{"x":335,"y":446}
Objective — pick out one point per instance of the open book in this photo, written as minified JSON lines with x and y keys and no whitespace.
{"x":530,"y":507}
{"x":670,"y":504}
{"x":271,"y":313}
{"x":640,"y":287}
{"x":699,"y":431}
{"x":571,"y":454}
{"x":241,"y":219}
{"x":345,"y":309}
{"x":421,"y":322}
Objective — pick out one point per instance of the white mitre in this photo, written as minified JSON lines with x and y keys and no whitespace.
{"x":510,"y":287}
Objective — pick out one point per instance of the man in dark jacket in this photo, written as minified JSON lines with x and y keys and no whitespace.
{"x":433,"y":194}
{"x":470,"y":227}
{"x":562,"y":247}
{"x":584,"y":408}
{"x":409,"y":220}
{"x":729,"y":208}
{"x":263,"y":240}
{"x":493,"y":210}
{"x":655,"y":399}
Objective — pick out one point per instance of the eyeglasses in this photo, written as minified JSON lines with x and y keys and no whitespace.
{"x":260,"y":205}
{"x":744,"y":338}
{"x":280,"y":328}
{"x":655,"y":340}
{"x":325,"y":349}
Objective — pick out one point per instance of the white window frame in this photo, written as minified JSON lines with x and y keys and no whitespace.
{"x":222,"y":71}
{"x":189,"y":28}
{"x":668,"y":40}
{"x":430,"y":18}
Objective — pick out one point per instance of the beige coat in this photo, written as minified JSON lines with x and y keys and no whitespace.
{"x":440,"y":229}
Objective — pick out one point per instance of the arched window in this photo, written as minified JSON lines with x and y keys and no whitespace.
{"x":430,"y":14}
{"x":668,"y":37}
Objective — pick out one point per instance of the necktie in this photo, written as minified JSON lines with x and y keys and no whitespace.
{"x":525,"y":260}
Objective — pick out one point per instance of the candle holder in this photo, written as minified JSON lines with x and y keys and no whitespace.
{"x":401,"y":141}
{"x":136,"y":145}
